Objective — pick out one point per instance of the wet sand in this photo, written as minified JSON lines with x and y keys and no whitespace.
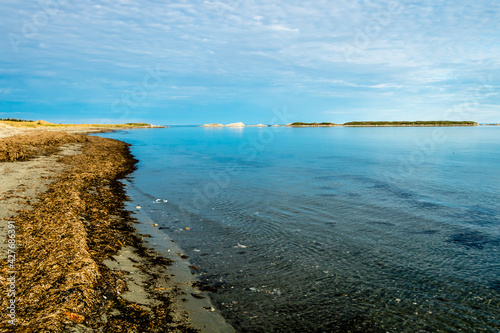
{"x":22,"y":182}
{"x":82,"y":261}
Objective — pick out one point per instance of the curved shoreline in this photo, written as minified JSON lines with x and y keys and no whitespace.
{"x":72,"y":235}
{"x":181,"y":274}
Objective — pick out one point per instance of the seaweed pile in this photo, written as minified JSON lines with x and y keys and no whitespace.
{"x":22,"y":147}
{"x":62,"y":283}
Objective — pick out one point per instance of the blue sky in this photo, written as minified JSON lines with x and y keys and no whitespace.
{"x":194,"y":62}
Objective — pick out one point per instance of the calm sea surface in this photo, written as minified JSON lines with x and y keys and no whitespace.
{"x":332,"y":229}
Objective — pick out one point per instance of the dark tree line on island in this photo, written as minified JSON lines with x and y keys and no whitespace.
{"x":412,"y":123}
{"x":312,"y":124}
{"x":14,"y":119}
{"x":390,"y":123}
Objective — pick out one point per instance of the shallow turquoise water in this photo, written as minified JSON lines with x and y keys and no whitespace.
{"x":333,"y":229}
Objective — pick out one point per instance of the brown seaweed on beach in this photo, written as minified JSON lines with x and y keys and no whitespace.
{"x":63,"y":240}
{"x":22,"y":147}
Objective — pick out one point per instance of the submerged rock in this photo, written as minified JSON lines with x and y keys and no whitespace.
{"x":472,"y":239}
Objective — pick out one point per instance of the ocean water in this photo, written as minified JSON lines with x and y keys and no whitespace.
{"x":332,"y":229}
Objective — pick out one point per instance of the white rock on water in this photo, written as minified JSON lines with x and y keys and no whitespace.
{"x":213,"y":125}
{"x":240,"y":124}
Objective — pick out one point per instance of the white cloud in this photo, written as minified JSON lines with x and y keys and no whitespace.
{"x":279,"y":27}
{"x":427,"y":51}
{"x":386,"y":85}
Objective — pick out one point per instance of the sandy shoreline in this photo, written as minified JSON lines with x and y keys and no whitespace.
{"x":81,"y":265}
{"x":23,"y":182}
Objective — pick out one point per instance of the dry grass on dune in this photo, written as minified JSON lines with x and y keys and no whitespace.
{"x":42,"y":124}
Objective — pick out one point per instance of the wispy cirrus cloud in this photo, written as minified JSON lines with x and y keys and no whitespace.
{"x":402,"y":54}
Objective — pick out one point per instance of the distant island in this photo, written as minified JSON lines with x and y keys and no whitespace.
{"x":324,"y":124}
{"x":387,"y":124}
{"x":359,"y":124}
{"x":410,"y":123}
{"x":259,"y":125}
{"x":240,"y":124}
